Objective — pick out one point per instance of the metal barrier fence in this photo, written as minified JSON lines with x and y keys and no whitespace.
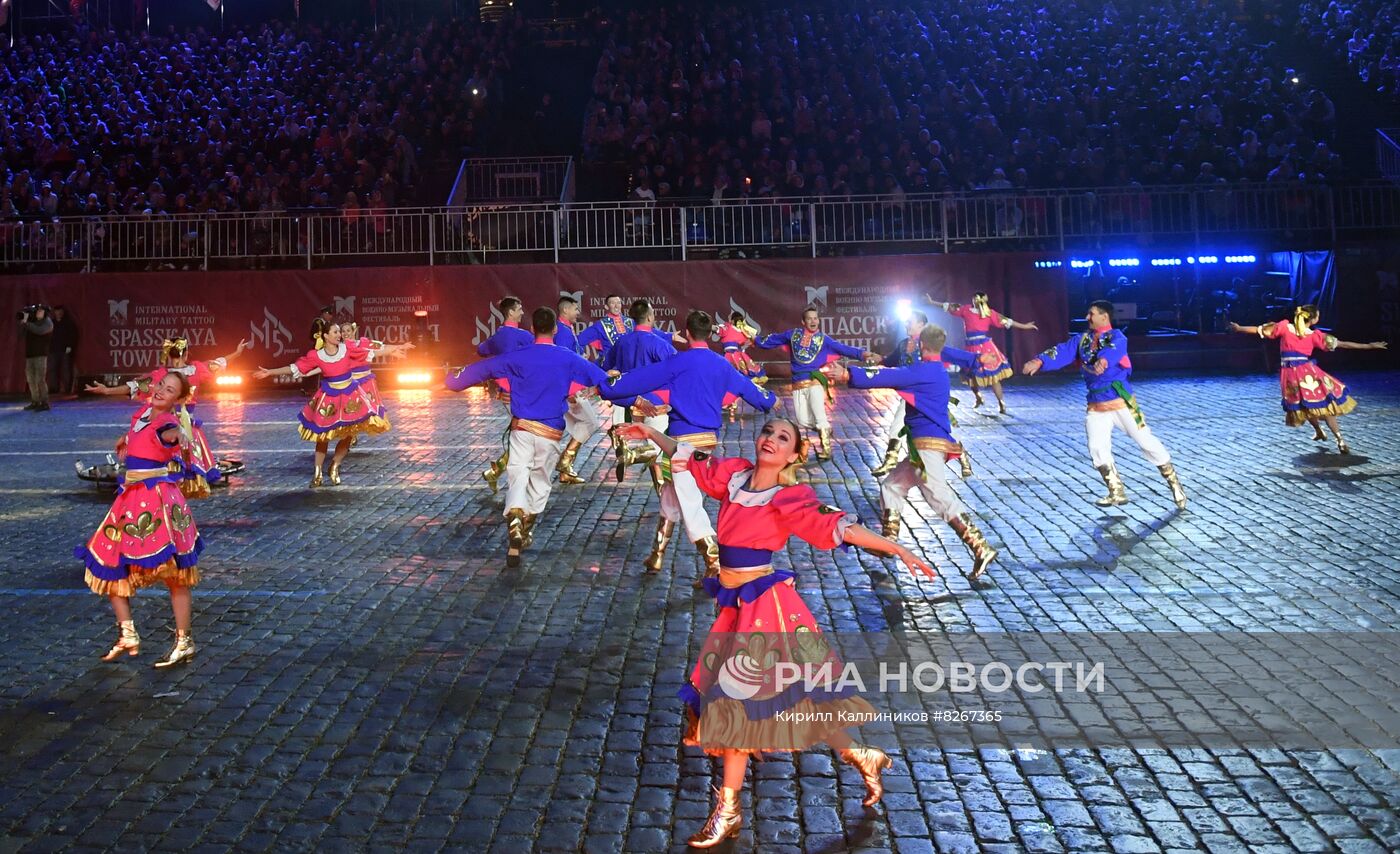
{"x":1251,"y":216}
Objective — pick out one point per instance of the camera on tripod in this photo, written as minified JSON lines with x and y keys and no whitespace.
{"x":27,"y":313}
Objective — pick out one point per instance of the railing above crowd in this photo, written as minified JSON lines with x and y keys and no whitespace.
{"x":1261,"y":216}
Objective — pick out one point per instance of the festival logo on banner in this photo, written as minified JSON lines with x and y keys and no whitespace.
{"x":272,"y":335}
{"x":389,"y":319}
{"x":343,"y":308}
{"x":853,"y":314}
{"x":722,"y":316}
{"x":136,"y":332}
{"x":487,"y":328}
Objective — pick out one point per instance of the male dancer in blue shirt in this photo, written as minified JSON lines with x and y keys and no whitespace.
{"x":696,"y":383}
{"x":581,"y":421}
{"x":924,"y":387}
{"x":541,"y":379}
{"x":809,"y":351}
{"x":1102,"y":356}
{"x":508,"y":337}
{"x":644,"y":345}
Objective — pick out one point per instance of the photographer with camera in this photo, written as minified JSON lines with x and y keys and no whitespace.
{"x":37,"y":326}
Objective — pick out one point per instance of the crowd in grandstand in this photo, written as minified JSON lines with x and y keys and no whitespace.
{"x":1365,"y":32}
{"x":98,"y":123}
{"x":731,"y":103}
{"x":702,"y":103}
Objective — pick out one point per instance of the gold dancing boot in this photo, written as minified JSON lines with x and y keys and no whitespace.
{"x":1342,"y":446}
{"x":129,"y":642}
{"x":982,"y":552}
{"x":566,"y":463}
{"x":891,"y":459}
{"x":317,"y":479}
{"x":965,"y":462}
{"x":660,"y":541}
{"x":824,"y":452}
{"x":529,"y":530}
{"x":889,"y":524}
{"x":871,"y":762}
{"x":495,"y":470}
{"x":724,"y":823}
{"x":1117,"y":495}
{"x":709,"y":550}
{"x":183,"y":651}
{"x":515,"y":535}
{"x":1178,"y":494}
{"x":335,"y":474}
{"x":620,"y":451}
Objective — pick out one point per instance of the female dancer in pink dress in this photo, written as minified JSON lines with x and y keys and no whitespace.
{"x":202,"y":468}
{"x":148,"y":536}
{"x":992,"y":366}
{"x":736,"y":337}
{"x":763,"y":621}
{"x":1310,"y":394}
{"x":340,"y":408}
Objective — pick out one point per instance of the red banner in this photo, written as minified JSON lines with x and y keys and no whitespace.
{"x":123,"y":317}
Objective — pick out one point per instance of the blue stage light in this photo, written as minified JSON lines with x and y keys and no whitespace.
{"x":1123,"y":262}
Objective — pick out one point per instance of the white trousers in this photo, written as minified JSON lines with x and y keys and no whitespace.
{"x":809,"y":405}
{"x":932,"y":482}
{"x":530,"y":472}
{"x":1099,"y":426}
{"x":682,"y":501}
{"x":894,"y":420}
{"x":581,"y":421}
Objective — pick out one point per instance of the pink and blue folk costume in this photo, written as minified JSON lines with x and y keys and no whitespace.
{"x":979,"y":319}
{"x":762,"y":620}
{"x":644,"y":345}
{"x":808,"y":353}
{"x":340,"y":407}
{"x":697,"y":383}
{"x":201,"y":468}
{"x":924,"y":387}
{"x":507,"y":338}
{"x":149,"y":535}
{"x":541,"y":380}
{"x":735,"y":341}
{"x":1111,"y":403}
{"x":602,"y":333}
{"x":365,"y":374}
{"x":1309,"y":393}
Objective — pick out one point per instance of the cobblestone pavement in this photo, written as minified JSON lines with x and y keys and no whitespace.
{"x":371,"y":676}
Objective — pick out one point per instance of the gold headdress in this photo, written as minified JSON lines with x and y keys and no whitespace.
{"x":173,"y":348}
{"x":979,"y":304}
{"x":788,"y":476}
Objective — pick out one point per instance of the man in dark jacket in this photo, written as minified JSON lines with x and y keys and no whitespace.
{"x":37,"y":327}
{"x":62,"y":349}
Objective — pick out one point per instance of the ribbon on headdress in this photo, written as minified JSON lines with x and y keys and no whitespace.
{"x":319,"y":339}
{"x":1300,"y":321}
{"x":979,"y":305}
